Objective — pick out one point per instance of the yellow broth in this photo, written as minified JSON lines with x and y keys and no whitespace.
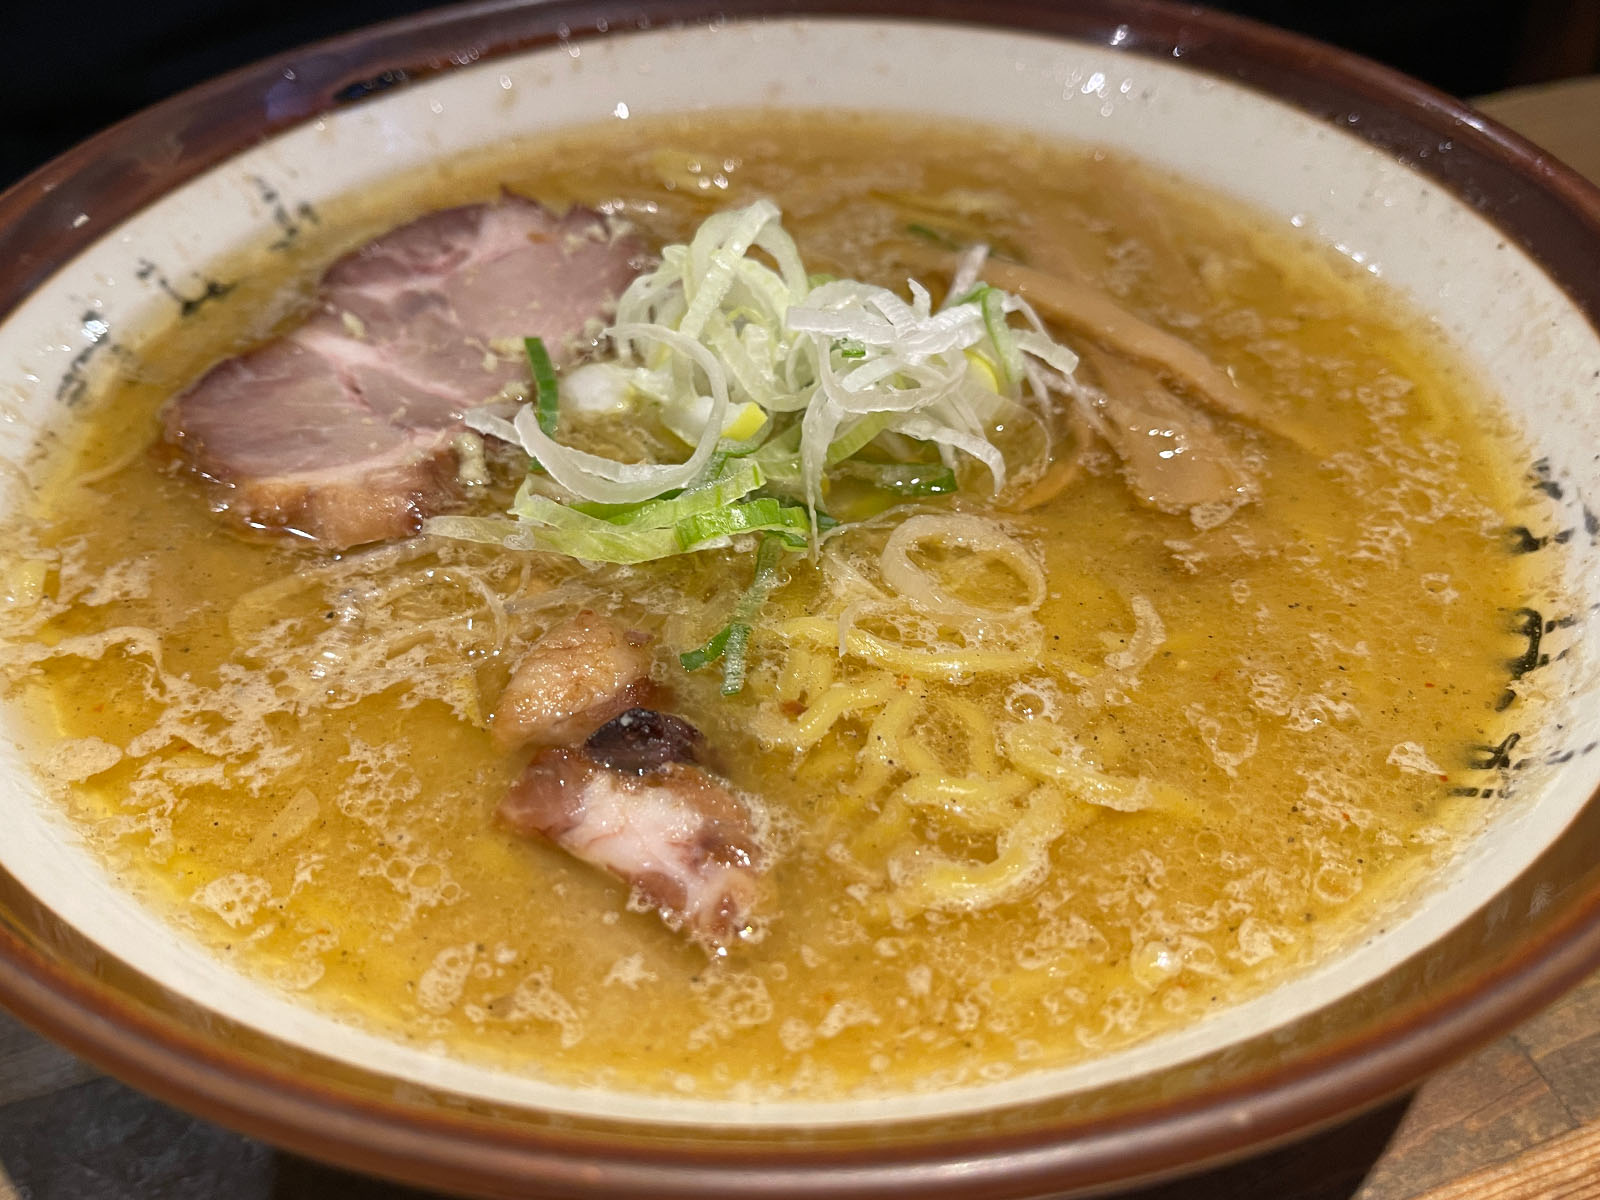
{"x":286,"y":751}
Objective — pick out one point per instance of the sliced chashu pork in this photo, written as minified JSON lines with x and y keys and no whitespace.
{"x":341,"y":430}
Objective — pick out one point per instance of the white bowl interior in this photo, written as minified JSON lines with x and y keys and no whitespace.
{"x":1491,"y":301}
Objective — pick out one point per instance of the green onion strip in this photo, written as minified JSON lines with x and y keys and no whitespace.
{"x":731,"y":643}
{"x":547,"y":395}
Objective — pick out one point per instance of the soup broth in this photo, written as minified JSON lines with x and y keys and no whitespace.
{"x":1226,"y":744}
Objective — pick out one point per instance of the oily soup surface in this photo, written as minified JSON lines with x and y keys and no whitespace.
{"x":1216,"y":753}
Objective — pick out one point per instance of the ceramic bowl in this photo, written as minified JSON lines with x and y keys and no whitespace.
{"x":1496,"y":244}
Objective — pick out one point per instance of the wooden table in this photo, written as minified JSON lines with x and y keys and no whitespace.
{"x":1518,"y":1121}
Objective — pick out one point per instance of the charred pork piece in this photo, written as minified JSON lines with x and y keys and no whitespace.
{"x":341,"y":431}
{"x":642,"y":740}
{"x":674,"y":832}
{"x":572,"y":681}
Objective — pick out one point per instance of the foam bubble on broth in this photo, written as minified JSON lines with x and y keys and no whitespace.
{"x":286,"y":752}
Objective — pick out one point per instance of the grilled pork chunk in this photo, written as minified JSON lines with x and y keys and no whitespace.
{"x":633,"y":802}
{"x":572,"y":681}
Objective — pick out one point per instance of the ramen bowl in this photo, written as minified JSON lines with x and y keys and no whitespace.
{"x":1497,"y":246}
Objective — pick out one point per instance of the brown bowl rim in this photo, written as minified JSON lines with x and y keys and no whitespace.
{"x":1543,"y":205}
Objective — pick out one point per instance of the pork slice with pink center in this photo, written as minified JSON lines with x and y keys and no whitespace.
{"x":342,"y":431}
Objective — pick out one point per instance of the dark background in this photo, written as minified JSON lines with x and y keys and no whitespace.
{"x":73,"y":67}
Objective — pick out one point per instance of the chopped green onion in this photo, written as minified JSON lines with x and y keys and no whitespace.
{"x":600,"y":542}
{"x":763,"y":514}
{"x":730,"y":448}
{"x":704,"y":656}
{"x":780,"y":457}
{"x":695,"y":519}
{"x":992,"y":303}
{"x":905,"y":479}
{"x":733,"y":659}
{"x":576,"y":535}
{"x":726,"y":449}
{"x":857,"y":436}
{"x":731,"y":643}
{"x":611,"y":512}
{"x":734,"y":342}
{"x":548,"y":397}
{"x":928,"y":233}
{"x":670,"y":509}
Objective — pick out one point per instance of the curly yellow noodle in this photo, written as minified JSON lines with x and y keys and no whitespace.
{"x":1025,"y":747}
{"x":880,"y":754}
{"x":983,"y":804}
{"x":939,"y":881}
{"x":894,"y":798}
{"x":827,"y":709}
{"x":805,"y":675}
{"x":980,"y":736}
{"x":826,"y":763}
{"x":924,"y":664}
{"x":919,"y":760}
{"x":883,"y":752}
{"x":876,"y":842}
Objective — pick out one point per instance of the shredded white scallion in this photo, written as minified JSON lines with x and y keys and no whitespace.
{"x":731,"y":319}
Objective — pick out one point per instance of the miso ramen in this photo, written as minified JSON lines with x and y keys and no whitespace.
{"x":1127,"y":676}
